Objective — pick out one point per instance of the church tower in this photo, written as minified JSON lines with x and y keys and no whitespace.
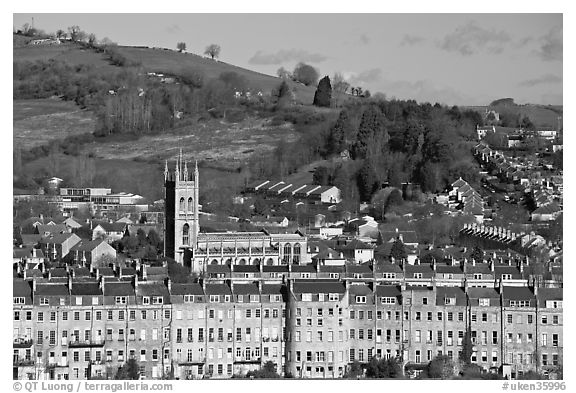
{"x":181,"y":225}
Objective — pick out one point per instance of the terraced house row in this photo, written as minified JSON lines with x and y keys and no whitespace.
{"x":76,"y":324}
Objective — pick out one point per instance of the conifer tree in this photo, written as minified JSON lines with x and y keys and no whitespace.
{"x":323,"y":94}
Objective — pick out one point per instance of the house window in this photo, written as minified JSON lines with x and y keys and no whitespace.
{"x":388,"y":300}
{"x":18,"y":300}
{"x":450,"y":301}
{"x":417,"y":275}
{"x":360,"y":299}
{"x":484,"y":302}
{"x":333,"y":297}
{"x":306,"y":297}
{"x":121,"y":299}
{"x":44,"y":301}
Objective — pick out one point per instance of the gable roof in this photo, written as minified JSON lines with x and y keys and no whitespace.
{"x":179,"y":289}
{"x":318,"y":286}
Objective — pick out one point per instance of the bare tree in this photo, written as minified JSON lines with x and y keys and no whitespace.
{"x":60,"y":34}
{"x":212,"y":50}
{"x":74,"y":30}
{"x":181,"y":46}
{"x":92,"y":39}
{"x":339,"y":87}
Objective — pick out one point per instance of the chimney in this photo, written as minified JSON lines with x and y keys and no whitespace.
{"x":33,"y":286}
{"x":291,"y":284}
{"x":102,"y":284}
{"x":169,"y":285}
{"x":136,"y":280}
{"x":70,"y":283}
{"x":144,"y":272}
{"x":23,"y":271}
{"x":491,"y":265}
{"x":232,"y":267}
{"x":204,"y":285}
{"x":521,"y":267}
{"x":260,"y":286}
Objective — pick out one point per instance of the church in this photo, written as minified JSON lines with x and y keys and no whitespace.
{"x":184,"y":242}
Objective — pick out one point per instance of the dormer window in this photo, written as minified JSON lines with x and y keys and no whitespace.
{"x":554,"y":304}
{"x":44,"y":301}
{"x":388,"y":300}
{"x":450,"y":301}
{"x":477,"y":276}
{"x":146,"y":300}
{"x":157,"y":300}
{"x":188,"y":298}
{"x":253,"y":298}
{"x":214,"y":298}
{"x":306,"y":297}
{"x":320,"y":297}
{"x":333,"y":297}
{"x":357,"y":275}
{"x":18,"y":300}
{"x":389,"y":275}
{"x":227,"y":298}
{"x":121,"y":299}
{"x":449,"y":276}
{"x":506,"y":277}
{"x":240,"y":298}
{"x":304,"y":275}
{"x":360,"y":299}
{"x":484,"y":302}
{"x":417,"y":275}
{"x":334,"y":275}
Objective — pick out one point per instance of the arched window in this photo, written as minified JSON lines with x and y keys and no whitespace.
{"x":186,"y":234}
{"x":287,"y":252}
{"x":182,"y":205}
{"x":256,"y":261}
{"x":242,"y":261}
{"x":214,"y":262}
{"x":270,"y":262}
{"x":296,"y":256}
{"x":190,"y":207}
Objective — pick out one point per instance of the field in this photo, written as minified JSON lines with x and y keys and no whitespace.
{"x":226,"y":145}
{"x":541,"y":116}
{"x":37,"y":122}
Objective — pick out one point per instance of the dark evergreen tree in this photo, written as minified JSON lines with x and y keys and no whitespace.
{"x":398,"y":251}
{"x":467,"y":348}
{"x":128,"y":371}
{"x":337,"y":137}
{"x":323,"y":95}
{"x":370,"y":133}
{"x":321,"y":176}
{"x":367,"y":181}
{"x":477,"y":254}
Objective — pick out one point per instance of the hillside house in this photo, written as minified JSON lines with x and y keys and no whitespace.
{"x":363,"y":227}
{"x":58,"y":246}
{"x":269,"y":221}
{"x":109,"y":231}
{"x":91,"y":252}
{"x":358,"y":251}
{"x":548,"y":212}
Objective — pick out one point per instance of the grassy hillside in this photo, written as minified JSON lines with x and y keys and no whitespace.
{"x":541,"y":115}
{"x":152,"y":60}
{"x":170,"y":61}
{"x":37,"y":122}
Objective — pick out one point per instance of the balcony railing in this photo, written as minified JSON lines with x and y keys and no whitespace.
{"x":192,"y":362}
{"x":247,"y":360}
{"x":22,"y":342}
{"x":23,"y":361}
{"x":96,"y":342}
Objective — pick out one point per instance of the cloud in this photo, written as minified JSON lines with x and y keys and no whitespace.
{"x":173,"y":29}
{"x":364,"y":39}
{"x":286,"y":55}
{"x":365,"y":77}
{"x":470,"y":39}
{"x":551,"y":45}
{"x":410,"y":40}
{"x":544,"y":79}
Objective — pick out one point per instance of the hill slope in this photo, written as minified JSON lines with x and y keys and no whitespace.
{"x":153,"y":60}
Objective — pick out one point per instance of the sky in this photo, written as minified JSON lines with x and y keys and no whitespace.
{"x":454,"y":59}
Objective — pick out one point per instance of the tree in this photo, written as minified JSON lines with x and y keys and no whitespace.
{"x":92,"y":39}
{"x":267,"y":371}
{"x":398,"y":251}
{"x":323,"y":95}
{"x":467,"y":348}
{"x":154,"y":238}
{"x":339,"y":84}
{"x":129,"y":370}
{"x":60,"y":33}
{"x":283,"y":95}
{"x":234,"y":81}
{"x":336,"y":141}
{"x":284,"y":73}
{"x":354,"y":370}
{"x":441,"y":367}
{"x":181,"y":46}
{"x":261,"y":207}
{"x":367,"y":181}
{"x":74,"y":31}
{"x":371,"y":129}
{"x":383,"y":368}
{"x":477,"y":254}
{"x":305,"y":74}
{"x":212,"y":50}
{"x":321,"y":176}
{"x":394,"y":199}
{"x":366,"y":94}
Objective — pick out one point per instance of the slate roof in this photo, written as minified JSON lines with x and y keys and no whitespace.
{"x":363,"y":269}
{"x":450,"y":292}
{"x":545,"y":294}
{"x":246,"y":269}
{"x":151,"y":289}
{"x":57,"y":238}
{"x":51,"y":289}
{"x":303,"y":269}
{"x":218,"y":289}
{"x":86,"y":288}
{"x":118,"y":288}
{"x":550,"y":208}
{"x":31,"y":239}
{"x":359,"y":289}
{"x":52,"y":229}
{"x":87,"y":245}
{"x":273,"y":289}
{"x":388,"y":291}
{"x":319,"y":286}
{"x":187,"y":289}
{"x":21,"y":288}
{"x":517,"y":293}
{"x":246,"y":289}
{"x":275,"y":268}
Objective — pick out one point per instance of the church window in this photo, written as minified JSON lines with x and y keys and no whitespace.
{"x":296,"y":257}
{"x":190,"y":207}
{"x":287,"y":252}
{"x":182,"y":207}
{"x":186,"y":234}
